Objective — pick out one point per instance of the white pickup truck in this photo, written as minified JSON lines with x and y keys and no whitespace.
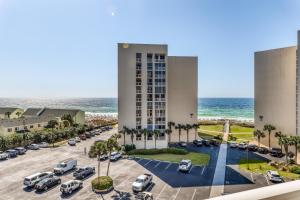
{"x":65,"y":166}
{"x":142,"y":182}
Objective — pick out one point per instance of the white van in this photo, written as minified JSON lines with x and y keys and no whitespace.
{"x":65,"y":166}
{"x":30,"y":181}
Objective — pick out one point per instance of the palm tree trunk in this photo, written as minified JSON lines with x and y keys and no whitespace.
{"x":187,"y":136}
{"x":155,"y":142}
{"x":269,"y":139}
{"x":124,"y":139}
{"x":144,"y":142}
{"x":179,"y":134}
{"x":98,"y":169}
{"x":108,"y":165}
{"x":296,"y":152}
{"x":196,"y":133}
{"x":258,"y":140}
{"x":52,"y":138}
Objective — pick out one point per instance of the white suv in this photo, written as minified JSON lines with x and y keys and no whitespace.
{"x":69,"y":186}
{"x":274,"y":176}
{"x":30,"y":181}
{"x":185,"y":165}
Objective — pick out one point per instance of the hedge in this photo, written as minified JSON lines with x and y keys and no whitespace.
{"x":157,"y":151}
{"x":102,"y":183}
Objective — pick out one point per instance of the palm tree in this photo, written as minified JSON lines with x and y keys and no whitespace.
{"x":279,"y":135}
{"x":156,"y":134}
{"x":111,"y":144}
{"x":269,"y":128}
{"x":196,"y":126}
{"x":8,"y":114}
{"x":97,"y":150}
{"x":187,"y":127}
{"x":3,"y":143}
{"x":286,"y":141}
{"x":259,"y":134}
{"x":68,"y":117}
{"x":145,"y":134}
{"x":18,"y":114}
{"x":295,"y":140}
{"x":170,"y":124}
{"x":52,"y":124}
{"x":179,"y":127}
{"x":131,"y":132}
{"x":168,"y":132}
{"x":123,"y":132}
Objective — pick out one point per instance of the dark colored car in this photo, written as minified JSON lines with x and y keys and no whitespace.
{"x":83,"y":172}
{"x":82,"y":137}
{"x":198,"y":142}
{"x":47,"y":183}
{"x":88,"y":134}
{"x":252,"y":147}
{"x":182,"y":144}
{"x":276,"y":152}
{"x":214,"y":142}
{"x":206,"y":143}
{"x":21,"y":150}
{"x":263,"y":150}
{"x":12,"y":153}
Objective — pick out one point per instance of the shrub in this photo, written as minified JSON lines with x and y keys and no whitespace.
{"x":219,"y":137}
{"x":295,"y":170}
{"x":158,"y":151}
{"x":129,"y":147}
{"x":231,"y":137}
{"x":102,"y":183}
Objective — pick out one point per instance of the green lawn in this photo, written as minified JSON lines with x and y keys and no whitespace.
{"x":240,"y":129}
{"x":241,"y":137}
{"x":208,"y":135}
{"x":218,"y":128}
{"x":196,"y":158}
{"x":259,"y":166}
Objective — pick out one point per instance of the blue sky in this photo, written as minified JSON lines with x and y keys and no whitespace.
{"x":55,"y":48}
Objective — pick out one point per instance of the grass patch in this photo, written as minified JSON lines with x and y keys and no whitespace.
{"x":196,"y":158}
{"x":241,"y":137}
{"x":102,"y":183}
{"x":262,"y":167}
{"x":208,"y":135}
{"x":241,"y":129}
{"x":218,"y":128}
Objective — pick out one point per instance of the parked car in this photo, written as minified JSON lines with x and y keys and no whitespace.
{"x":97,"y":132}
{"x":72,"y":142}
{"x":33,"y":147}
{"x":65,"y":166}
{"x":88,"y":135}
{"x":276,"y":152}
{"x":77,"y":139}
{"x":82,"y":137}
{"x":185,"y":165}
{"x":83,"y":172}
{"x":182,"y":144}
{"x":92,"y":133}
{"x":233,"y":144}
{"x":252,"y":147}
{"x":12,"y":153}
{"x":20,"y":150}
{"x":70,"y":186}
{"x":274,"y":176}
{"x":263,"y":150}
{"x":43,"y":145}
{"x":47,"y":183}
{"x":206,"y":142}
{"x":115,"y":156}
{"x":103,"y":129}
{"x":103,"y":157}
{"x":198,"y":142}
{"x":31,"y":180}
{"x":214,"y":142}
{"x":3,"y":155}
{"x":243,"y":145}
{"x":144,"y":196}
{"x":142,"y":182}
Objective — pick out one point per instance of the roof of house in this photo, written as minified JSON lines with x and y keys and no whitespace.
{"x":4,"y":110}
{"x":21,"y":121}
{"x":54,"y":112}
{"x":31,"y":112}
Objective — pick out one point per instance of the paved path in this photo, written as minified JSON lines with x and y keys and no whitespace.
{"x":219,"y":177}
{"x":226,"y":131}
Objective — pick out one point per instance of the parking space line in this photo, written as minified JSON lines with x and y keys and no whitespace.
{"x":161,"y":191}
{"x":148,"y":162}
{"x":157,"y":164}
{"x":177,"y":193}
{"x":267,"y":180}
{"x":203,"y":169}
{"x":252,"y":177}
{"x":168,"y":166}
{"x":191,"y":169}
{"x":193,"y":194}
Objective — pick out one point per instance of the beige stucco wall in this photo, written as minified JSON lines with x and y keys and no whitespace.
{"x":275,"y":90}
{"x":182,"y":94}
{"x":13,"y":115}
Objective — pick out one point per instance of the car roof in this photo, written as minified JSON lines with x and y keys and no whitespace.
{"x":142,"y":176}
{"x":273,"y":172}
{"x":33,"y":175}
{"x":185,"y":160}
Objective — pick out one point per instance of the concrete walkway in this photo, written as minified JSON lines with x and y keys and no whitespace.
{"x":217,"y":188}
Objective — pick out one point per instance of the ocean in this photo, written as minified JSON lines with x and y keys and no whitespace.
{"x":208,"y":108}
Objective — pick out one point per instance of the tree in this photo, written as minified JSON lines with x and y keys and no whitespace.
{"x":98,"y":149}
{"x":156,"y":135}
{"x":145,"y":134}
{"x":269,"y":128}
{"x":131,"y":132}
{"x":111,"y":144}
{"x":170,"y":125}
{"x":279,"y":135}
{"x":187,"y":127}
{"x":168,"y":132}
{"x":52,"y":124}
{"x":179,"y":127}
{"x":295,"y":140}
{"x":18,"y":114}
{"x":196,"y":126}
{"x":7,"y":114}
{"x":68,"y":117}
{"x":3,"y":143}
{"x":123,"y":132}
{"x":259,"y":134}
{"x":286,"y":141}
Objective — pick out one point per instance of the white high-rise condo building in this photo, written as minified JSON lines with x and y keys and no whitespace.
{"x":154,"y":89}
{"x":277,"y":91}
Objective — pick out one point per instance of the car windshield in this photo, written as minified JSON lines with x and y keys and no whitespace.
{"x":61,"y":165}
{"x":80,"y":170}
{"x":64,"y":186}
{"x":139,"y":180}
{"x":183,"y":163}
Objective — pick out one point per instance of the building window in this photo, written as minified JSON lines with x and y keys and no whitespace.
{"x":138,"y":57}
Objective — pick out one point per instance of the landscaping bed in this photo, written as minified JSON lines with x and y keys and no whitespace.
{"x":102,"y":184}
{"x":259,"y":166}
